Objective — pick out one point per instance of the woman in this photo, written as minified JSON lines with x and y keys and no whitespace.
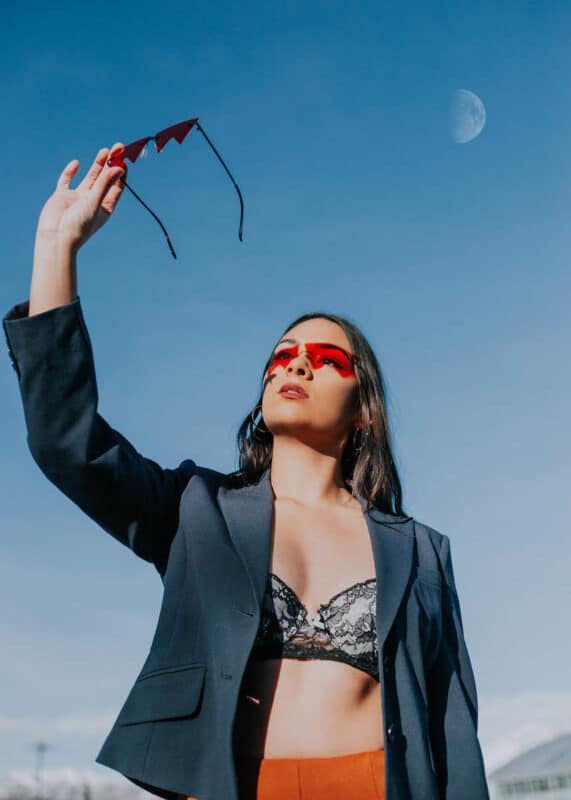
{"x":310,"y":641}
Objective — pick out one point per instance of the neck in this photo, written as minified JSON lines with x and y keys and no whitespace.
{"x":306,"y":475}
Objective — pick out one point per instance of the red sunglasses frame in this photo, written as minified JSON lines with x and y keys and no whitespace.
{"x":179,"y":131}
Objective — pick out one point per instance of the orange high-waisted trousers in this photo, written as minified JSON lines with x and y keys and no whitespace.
{"x":357,"y":776}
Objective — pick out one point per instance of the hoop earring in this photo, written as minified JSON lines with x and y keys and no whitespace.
{"x":256,"y":428}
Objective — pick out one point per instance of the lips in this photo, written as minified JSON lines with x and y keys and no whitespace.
{"x":293,"y":389}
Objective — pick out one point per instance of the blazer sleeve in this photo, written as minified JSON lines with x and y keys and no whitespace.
{"x":453,"y":701}
{"x":129,"y":496}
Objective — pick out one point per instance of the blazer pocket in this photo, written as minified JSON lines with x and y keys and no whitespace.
{"x":164,"y":694}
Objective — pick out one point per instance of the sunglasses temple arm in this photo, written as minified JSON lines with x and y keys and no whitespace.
{"x":219,"y":157}
{"x":124,"y":182}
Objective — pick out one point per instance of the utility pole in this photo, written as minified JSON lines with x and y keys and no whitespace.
{"x":40,"y":748}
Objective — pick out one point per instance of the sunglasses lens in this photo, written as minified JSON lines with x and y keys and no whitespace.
{"x":116,"y":160}
{"x":131,"y":151}
{"x":178,"y":132}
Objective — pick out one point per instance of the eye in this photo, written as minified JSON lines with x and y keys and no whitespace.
{"x":331,"y":361}
{"x":281,"y":355}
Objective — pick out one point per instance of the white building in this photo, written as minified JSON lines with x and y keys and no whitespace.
{"x":544,"y":771}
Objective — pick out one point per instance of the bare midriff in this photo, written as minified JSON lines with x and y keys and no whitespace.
{"x":289,"y":708}
{"x":312,"y":708}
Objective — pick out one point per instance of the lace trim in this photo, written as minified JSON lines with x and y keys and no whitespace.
{"x":344,"y":629}
{"x":264,"y":650}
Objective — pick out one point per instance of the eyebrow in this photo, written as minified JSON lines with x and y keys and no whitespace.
{"x":325,"y":344}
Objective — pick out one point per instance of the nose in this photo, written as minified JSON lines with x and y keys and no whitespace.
{"x":300,"y":364}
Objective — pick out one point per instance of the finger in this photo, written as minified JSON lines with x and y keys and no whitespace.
{"x":67,"y":175}
{"x":114,"y":191}
{"x":109,"y":174}
{"x":95,"y":170}
{"x":108,"y":181}
{"x":103,"y":158}
{"x":117,"y":146}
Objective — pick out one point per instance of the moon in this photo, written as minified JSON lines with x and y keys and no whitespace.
{"x":467,"y":116}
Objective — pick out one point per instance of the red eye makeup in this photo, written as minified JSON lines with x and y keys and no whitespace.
{"x":320,"y":354}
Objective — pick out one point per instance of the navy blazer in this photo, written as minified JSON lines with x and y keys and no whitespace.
{"x":209,"y":539}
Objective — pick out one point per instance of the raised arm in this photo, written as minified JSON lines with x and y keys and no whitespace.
{"x":68,"y":219}
{"x":130,"y":496}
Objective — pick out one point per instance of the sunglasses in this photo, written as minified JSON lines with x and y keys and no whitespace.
{"x":179,"y":132}
{"x":320,"y":354}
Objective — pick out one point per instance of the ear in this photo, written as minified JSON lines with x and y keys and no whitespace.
{"x":360,"y":425}
{"x":356,"y":419}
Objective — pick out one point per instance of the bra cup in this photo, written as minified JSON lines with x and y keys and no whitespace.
{"x":350,"y":620}
{"x":344,"y":629}
{"x":289,"y":613}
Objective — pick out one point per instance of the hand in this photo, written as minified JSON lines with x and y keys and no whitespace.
{"x":72,"y":216}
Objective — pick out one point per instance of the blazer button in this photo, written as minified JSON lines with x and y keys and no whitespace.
{"x":387,"y":663}
{"x":392,"y":732}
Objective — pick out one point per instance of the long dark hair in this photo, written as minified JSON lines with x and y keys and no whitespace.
{"x":367,"y":462}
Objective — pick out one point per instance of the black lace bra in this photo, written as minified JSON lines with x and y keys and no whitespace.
{"x":344,"y":629}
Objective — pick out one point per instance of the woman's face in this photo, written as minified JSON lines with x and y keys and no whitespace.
{"x":327,"y":376}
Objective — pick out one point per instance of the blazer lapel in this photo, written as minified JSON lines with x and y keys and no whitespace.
{"x":248,"y":512}
{"x":392,"y":539}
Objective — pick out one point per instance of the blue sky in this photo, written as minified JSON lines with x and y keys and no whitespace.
{"x":452,"y":258}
